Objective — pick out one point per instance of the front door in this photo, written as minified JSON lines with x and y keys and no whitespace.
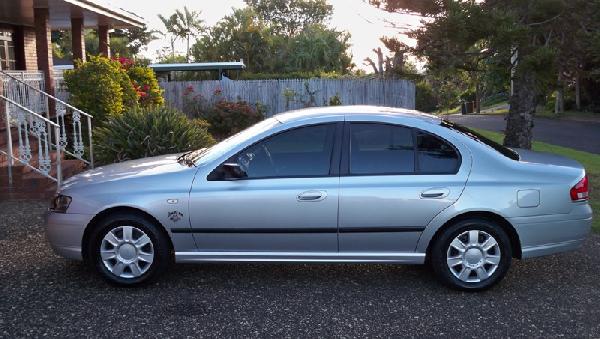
{"x":288,"y":201}
{"x":394,"y":180}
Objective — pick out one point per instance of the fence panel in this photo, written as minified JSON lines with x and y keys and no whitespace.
{"x":282,"y":95}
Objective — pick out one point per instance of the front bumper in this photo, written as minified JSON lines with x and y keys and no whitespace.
{"x":65,"y":231}
{"x":550,"y":234}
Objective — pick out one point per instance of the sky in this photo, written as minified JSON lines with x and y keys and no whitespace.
{"x":365,"y":23}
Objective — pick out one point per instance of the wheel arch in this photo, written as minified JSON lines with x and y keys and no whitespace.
{"x":119,"y":209}
{"x":515,"y":242}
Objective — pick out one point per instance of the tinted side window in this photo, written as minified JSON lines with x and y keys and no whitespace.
{"x":435,"y":155}
{"x":381,"y":149}
{"x":304,"y":151}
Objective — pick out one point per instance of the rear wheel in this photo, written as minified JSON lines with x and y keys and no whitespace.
{"x":471,"y":254}
{"x":129,"y":250}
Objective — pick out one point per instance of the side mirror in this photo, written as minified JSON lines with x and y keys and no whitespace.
{"x":233,"y":171}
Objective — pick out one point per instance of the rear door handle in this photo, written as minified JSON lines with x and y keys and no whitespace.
{"x":435,"y":193}
{"x":312,"y":195}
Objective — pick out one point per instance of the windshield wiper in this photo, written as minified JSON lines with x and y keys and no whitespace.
{"x":189,"y":158}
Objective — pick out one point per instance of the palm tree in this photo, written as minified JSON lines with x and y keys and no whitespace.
{"x":171,"y":27}
{"x":187,"y":25}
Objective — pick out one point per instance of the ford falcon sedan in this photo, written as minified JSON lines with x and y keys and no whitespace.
{"x":346,"y":184}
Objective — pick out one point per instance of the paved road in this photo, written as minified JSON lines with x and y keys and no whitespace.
{"x":42,"y":294}
{"x":584,"y":136}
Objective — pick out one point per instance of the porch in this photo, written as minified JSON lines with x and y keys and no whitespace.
{"x":43,"y":139}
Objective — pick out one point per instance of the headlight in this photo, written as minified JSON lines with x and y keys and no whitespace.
{"x":60,"y":203}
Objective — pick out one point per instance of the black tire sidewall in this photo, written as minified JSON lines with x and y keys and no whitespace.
{"x":162,"y":252}
{"x":440,"y":247}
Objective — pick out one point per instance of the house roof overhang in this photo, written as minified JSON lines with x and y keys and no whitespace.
{"x":93,"y":12}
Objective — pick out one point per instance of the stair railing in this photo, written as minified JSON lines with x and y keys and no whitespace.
{"x":31,"y":124}
{"x":38,"y":100}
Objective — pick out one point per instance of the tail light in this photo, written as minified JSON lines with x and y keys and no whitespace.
{"x":581,"y":190}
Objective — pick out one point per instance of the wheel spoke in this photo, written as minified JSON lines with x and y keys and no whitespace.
{"x":112,"y":239}
{"x":147,"y":257}
{"x":108,"y":254}
{"x":492,"y":259}
{"x":142,"y":241}
{"x":473,"y":237}
{"x":135,"y":269}
{"x":454,"y":261}
{"x":489,"y":243}
{"x":118,"y":268}
{"x":127,"y":233}
{"x":464,"y":274}
{"x":458,"y":245}
{"x":481,"y":273}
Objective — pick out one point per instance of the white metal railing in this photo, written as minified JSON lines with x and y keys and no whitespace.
{"x":31,"y":125}
{"x":25,"y":103}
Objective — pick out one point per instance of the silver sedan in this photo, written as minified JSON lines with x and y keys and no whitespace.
{"x":352,"y":184}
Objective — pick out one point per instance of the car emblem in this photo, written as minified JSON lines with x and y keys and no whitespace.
{"x":175,"y":216}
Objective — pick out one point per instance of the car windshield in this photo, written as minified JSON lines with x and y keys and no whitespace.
{"x":507,"y":152}
{"x":209,"y":154}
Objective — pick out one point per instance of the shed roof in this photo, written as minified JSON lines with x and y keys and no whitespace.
{"x":198,"y":66}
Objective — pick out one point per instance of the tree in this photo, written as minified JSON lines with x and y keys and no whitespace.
{"x":240,"y":35}
{"x":524,"y":35}
{"x":244,"y":35}
{"x":171,"y":31}
{"x":188,"y":25}
{"x":137,"y":38}
{"x":289,"y":17}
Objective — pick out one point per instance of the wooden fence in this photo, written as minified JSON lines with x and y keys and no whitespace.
{"x":282,"y":95}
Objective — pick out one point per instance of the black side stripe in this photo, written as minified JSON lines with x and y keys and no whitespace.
{"x":381,"y":229}
{"x":299,"y":230}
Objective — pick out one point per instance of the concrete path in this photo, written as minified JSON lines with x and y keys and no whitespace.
{"x":583,"y":136}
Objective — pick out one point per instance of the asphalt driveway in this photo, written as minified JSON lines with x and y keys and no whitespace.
{"x":580,"y":135}
{"x":44,"y":295}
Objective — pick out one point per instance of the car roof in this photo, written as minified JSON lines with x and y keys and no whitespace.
{"x":305,"y":113}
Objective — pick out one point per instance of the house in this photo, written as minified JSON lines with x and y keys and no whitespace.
{"x":39,"y":145}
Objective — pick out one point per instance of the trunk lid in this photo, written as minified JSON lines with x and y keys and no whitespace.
{"x":546,"y":158}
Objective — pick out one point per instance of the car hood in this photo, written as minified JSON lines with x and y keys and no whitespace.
{"x":144,"y":168}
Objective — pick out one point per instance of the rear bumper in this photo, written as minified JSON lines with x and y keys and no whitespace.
{"x":550,"y":234}
{"x":64,"y":231}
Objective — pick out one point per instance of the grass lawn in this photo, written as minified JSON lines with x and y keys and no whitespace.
{"x":590,"y":161}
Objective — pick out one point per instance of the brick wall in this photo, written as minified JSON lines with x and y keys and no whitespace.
{"x":25,"y":49}
{"x":29,"y":49}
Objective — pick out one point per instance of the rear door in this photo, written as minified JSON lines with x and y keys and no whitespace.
{"x":394,"y":180}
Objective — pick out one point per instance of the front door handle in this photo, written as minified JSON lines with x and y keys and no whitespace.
{"x":435,"y":193}
{"x":312,"y":195}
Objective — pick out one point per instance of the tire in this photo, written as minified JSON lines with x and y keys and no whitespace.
{"x":468,"y":265}
{"x":136,"y":250}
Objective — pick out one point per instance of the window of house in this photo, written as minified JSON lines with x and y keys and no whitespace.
{"x":7,"y":51}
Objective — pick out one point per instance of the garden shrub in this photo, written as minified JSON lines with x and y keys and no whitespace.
{"x":229,"y":117}
{"x":100,"y":87}
{"x":145,"y":83}
{"x":146,"y":132}
{"x":224,"y":117}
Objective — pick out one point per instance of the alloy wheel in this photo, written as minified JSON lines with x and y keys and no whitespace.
{"x":473,"y":256}
{"x":127,"y":252}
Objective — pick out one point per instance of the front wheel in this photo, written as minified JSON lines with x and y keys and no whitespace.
{"x":471,"y":255}
{"x":129,"y":250}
